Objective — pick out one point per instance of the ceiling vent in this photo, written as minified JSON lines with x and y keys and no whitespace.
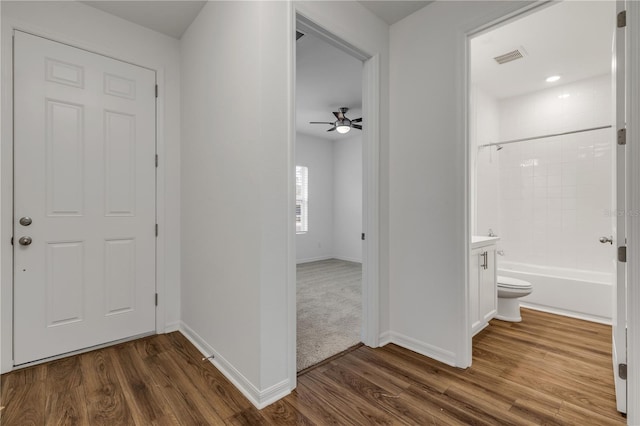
{"x":509,"y":56}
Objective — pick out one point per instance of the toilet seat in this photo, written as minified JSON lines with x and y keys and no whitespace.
{"x":514,"y":283}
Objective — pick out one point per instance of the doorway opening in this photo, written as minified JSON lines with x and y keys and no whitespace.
{"x":544,"y":177}
{"x":329,"y":200}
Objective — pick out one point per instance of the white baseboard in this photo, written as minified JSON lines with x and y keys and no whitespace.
{"x":384,"y":339}
{"x":348,"y":259}
{"x":170,"y":327}
{"x":317,"y":259}
{"x":313,"y":259}
{"x":566,"y":313}
{"x":274,"y":393}
{"x":258,"y":398}
{"x":439,"y":354}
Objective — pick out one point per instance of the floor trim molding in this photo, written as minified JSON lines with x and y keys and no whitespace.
{"x":170,"y":327}
{"x":329,"y":257}
{"x":384,"y":339}
{"x":258,"y":398}
{"x":566,"y":313}
{"x":348,"y":259}
{"x":313,"y":259}
{"x":422,"y":348}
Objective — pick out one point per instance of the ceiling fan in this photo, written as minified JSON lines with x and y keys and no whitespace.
{"x":342,"y":124}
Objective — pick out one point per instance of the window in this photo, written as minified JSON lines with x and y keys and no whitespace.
{"x":302,"y":199}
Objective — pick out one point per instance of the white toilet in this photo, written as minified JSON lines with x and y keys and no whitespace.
{"x":509,"y":291}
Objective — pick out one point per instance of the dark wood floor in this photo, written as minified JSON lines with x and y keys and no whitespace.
{"x":545,"y":370}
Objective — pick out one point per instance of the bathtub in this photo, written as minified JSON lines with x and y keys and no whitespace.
{"x":572,"y":292}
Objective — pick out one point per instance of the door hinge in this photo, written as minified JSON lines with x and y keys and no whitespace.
{"x":156,"y":299}
{"x":156,"y":160}
{"x":362,"y":236}
{"x":622,"y":371}
{"x":156,"y":90}
{"x":156,"y":229}
{"x":622,"y":136}
{"x":622,"y":19}
{"x":622,"y":254}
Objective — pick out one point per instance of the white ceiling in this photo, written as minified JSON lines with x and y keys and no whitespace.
{"x":164,"y":16}
{"x":173,"y":17}
{"x":572,"y":39}
{"x":326,"y":79}
{"x":395,"y":10}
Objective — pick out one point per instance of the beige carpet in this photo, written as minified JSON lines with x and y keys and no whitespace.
{"x":329,"y":305}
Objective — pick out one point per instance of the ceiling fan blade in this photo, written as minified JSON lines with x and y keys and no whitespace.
{"x":331,"y":129}
{"x":320,"y":122}
{"x":357,"y":120}
{"x":356,"y":126}
{"x":339,"y":115}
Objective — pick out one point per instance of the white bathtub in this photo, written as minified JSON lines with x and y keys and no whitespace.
{"x":571,"y":292}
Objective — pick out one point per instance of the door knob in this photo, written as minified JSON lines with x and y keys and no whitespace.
{"x":605,"y":240}
{"x":25,"y":221}
{"x":25,"y":241}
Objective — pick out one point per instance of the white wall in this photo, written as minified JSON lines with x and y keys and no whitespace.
{"x":429,"y":233}
{"x":556,"y":193}
{"x":235,"y":190}
{"x":484,"y":128}
{"x":347,"y":214}
{"x":89,"y":28}
{"x":427,"y":76}
{"x":335,"y":198}
{"x":550,"y":200}
{"x":317,"y":155}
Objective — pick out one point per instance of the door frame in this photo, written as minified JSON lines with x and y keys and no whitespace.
{"x":6,"y":178}
{"x":465,"y":36}
{"x":370,"y":335}
{"x":633,"y":193}
{"x":633,"y":204}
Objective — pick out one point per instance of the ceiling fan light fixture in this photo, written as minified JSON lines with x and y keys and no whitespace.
{"x":342,"y":125}
{"x":343,"y":128}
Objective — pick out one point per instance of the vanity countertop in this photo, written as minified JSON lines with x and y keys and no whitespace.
{"x":478,"y":241}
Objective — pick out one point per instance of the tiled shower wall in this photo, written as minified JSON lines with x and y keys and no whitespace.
{"x":553,"y":195}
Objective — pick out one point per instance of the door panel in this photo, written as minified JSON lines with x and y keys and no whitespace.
{"x":64,"y":283}
{"x":120,"y":278}
{"x":84,"y":172}
{"x":64,"y":158}
{"x":119,"y":164}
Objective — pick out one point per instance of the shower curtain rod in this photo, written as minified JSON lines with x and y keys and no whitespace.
{"x":546,"y":136}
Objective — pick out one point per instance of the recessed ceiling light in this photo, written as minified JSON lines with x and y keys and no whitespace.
{"x":553,"y":78}
{"x":564,"y":96}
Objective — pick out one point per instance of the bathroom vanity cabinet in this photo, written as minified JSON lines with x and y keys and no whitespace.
{"x":483,"y":285}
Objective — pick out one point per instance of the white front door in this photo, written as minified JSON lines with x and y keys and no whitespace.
{"x":84,"y":199}
{"x":619,"y":224}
